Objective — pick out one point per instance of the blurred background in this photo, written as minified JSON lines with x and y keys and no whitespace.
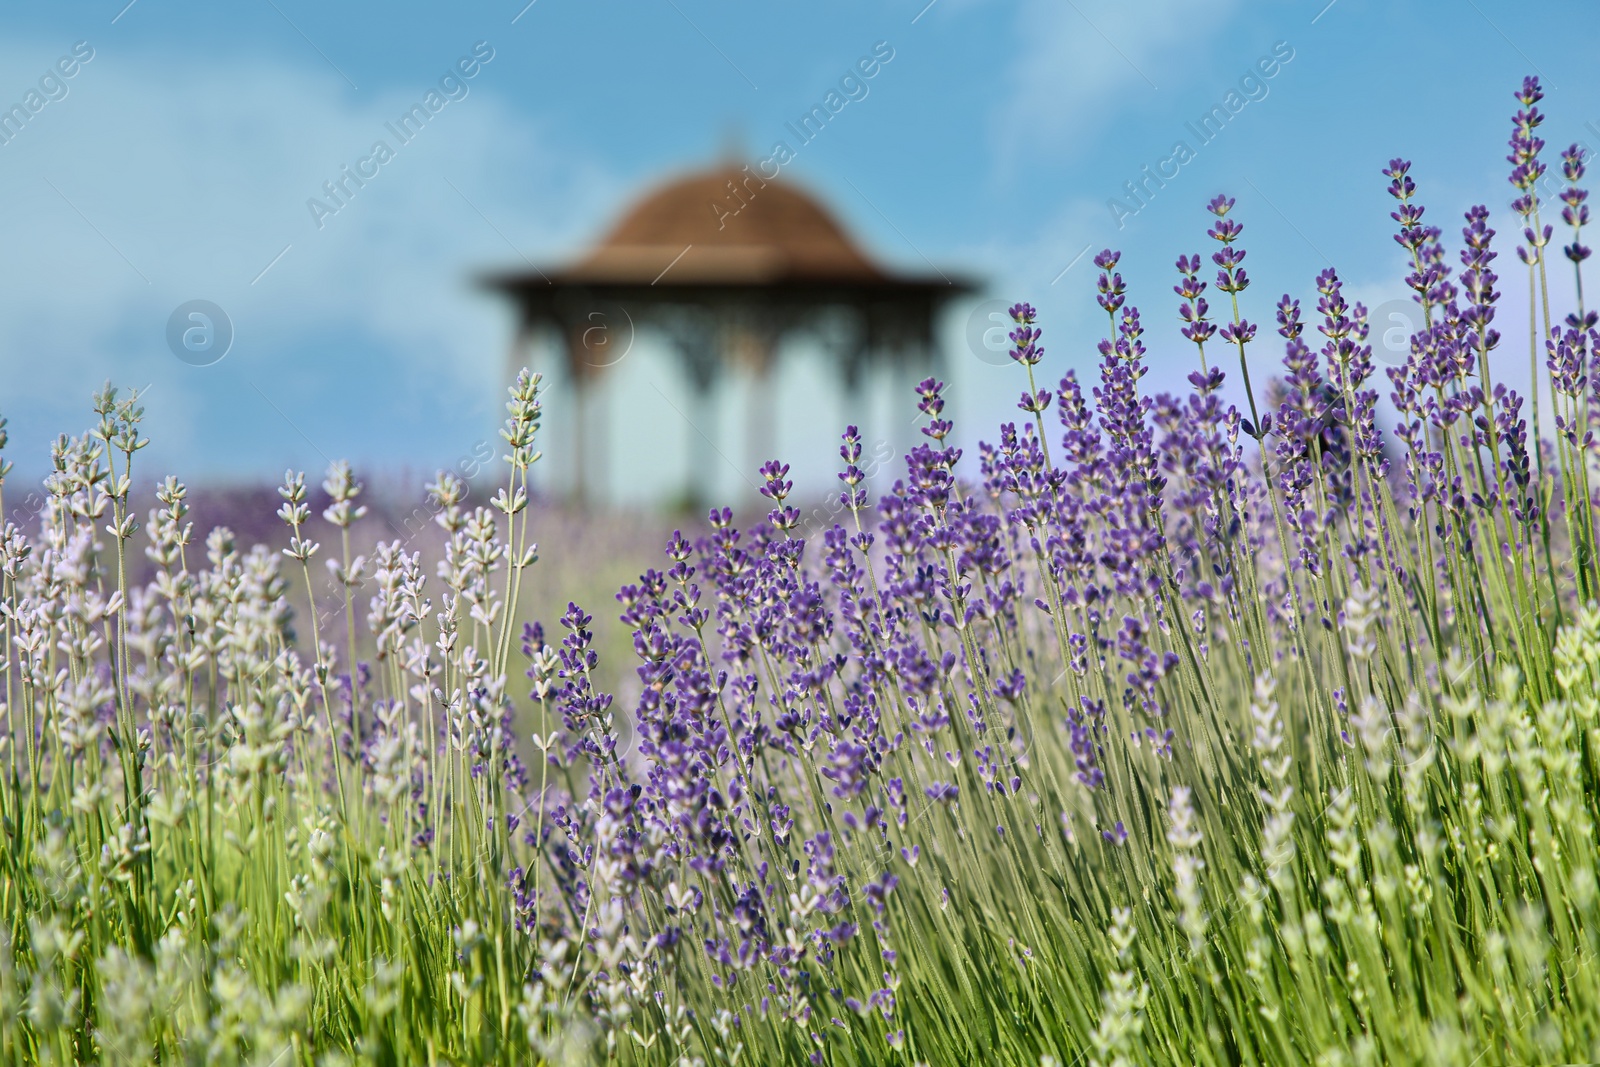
{"x":214,"y":152}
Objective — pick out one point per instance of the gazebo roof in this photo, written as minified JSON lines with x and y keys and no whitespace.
{"x":692,"y":233}
{"x":779,"y":234}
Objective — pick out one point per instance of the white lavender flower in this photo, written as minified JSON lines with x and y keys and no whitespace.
{"x":1122,"y":1004}
{"x":1185,"y":838}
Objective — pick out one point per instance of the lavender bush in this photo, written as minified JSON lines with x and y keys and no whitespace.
{"x":1184,"y":734}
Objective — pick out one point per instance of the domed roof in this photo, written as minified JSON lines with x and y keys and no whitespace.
{"x":726,"y":225}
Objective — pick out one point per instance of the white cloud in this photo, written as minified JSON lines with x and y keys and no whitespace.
{"x":1082,"y":61}
{"x":155,"y":182}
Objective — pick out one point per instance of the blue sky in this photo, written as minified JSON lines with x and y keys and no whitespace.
{"x":179,"y":161}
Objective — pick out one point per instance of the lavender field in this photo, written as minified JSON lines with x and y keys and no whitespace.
{"x":1161,"y":730}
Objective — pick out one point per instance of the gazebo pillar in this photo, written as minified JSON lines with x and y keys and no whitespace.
{"x":691,"y":330}
{"x":589,"y":453}
{"x":750,"y":343}
{"x":702,"y":451}
{"x":848,"y":345}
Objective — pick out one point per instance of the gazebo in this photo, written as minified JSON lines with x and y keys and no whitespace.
{"x":726,"y":265}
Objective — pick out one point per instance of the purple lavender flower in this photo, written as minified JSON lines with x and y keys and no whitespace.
{"x":1233,"y":280}
{"x":1193,"y":309}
